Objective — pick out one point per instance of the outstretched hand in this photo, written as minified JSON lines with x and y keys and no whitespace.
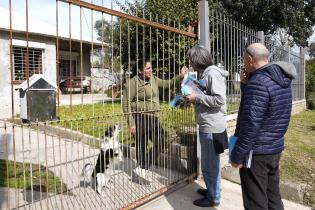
{"x":183,"y":71}
{"x":132,"y":129}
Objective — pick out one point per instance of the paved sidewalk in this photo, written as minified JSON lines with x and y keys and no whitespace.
{"x":182,"y":199}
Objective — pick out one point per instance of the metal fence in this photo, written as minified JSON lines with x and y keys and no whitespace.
{"x":280,"y":53}
{"x":229,"y":40}
{"x":85,"y":157}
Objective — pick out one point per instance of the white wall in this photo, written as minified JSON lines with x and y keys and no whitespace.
{"x":50,"y":62}
{"x":4,"y":66}
{"x":49,"y":70}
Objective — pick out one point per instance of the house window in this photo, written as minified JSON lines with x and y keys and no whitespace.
{"x":34,"y":61}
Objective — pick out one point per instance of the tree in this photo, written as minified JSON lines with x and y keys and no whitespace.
{"x":310,"y":76}
{"x":131,"y":41}
{"x":310,"y":82}
{"x":297,"y":17}
{"x":183,"y":11}
{"x":312,"y":50}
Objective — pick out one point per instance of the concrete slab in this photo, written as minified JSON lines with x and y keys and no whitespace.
{"x":183,"y":198}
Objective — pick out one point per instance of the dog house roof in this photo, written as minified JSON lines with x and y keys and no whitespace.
{"x":37,"y":82}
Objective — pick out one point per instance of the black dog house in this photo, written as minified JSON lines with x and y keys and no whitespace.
{"x":38,"y":102}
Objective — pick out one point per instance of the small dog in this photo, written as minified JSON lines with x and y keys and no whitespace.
{"x":110,"y":153}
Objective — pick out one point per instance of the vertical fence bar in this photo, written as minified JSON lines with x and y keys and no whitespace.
{"x":70,"y":58}
{"x":12,"y":105}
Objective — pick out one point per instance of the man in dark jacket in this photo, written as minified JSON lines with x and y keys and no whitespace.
{"x":263,"y":120}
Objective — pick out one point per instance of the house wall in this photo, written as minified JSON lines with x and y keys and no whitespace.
{"x":5,"y":77}
{"x":49,"y":69}
{"x":5,"y":80}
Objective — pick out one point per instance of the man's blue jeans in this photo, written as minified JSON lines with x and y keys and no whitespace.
{"x":210,"y":166}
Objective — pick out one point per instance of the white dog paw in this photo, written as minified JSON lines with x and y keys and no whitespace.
{"x":103,"y":194}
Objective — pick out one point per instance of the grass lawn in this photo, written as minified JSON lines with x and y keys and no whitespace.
{"x":298,"y":159}
{"x":81,"y":119}
{"x":24,"y":180}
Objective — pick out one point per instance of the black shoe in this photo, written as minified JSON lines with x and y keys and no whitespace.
{"x":202,"y":192}
{"x":204,"y":202}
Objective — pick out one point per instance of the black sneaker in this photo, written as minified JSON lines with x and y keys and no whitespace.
{"x":204,"y":202}
{"x":202,"y":192}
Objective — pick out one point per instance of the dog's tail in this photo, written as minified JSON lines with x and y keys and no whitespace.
{"x":87,"y":172}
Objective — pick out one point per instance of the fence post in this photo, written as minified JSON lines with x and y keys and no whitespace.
{"x":261,"y":37}
{"x":287,"y":52}
{"x":204,"y":39}
{"x":204,"y":33}
{"x":302,"y":69}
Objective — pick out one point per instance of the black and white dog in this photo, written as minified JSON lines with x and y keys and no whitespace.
{"x":110,"y":153}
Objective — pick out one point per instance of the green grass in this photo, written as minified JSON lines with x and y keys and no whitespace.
{"x":27,"y":176}
{"x":298,"y":159}
{"x":95,"y":119}
{"x":232,"y":108}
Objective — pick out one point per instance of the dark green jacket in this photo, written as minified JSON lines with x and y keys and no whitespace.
{"x":140,"y":95}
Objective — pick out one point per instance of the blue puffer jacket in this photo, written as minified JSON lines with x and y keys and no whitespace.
{"x":265,"y":111}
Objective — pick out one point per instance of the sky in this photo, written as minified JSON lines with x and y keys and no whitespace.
{"x":45,"y":10}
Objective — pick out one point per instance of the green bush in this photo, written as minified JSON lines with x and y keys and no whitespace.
{"x":310,"y":78}
{"x":310,"y":104}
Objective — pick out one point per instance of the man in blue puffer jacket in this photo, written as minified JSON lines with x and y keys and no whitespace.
{"x":263,"y":120}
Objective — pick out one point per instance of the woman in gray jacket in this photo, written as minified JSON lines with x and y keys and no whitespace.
{"x":210,"y":109}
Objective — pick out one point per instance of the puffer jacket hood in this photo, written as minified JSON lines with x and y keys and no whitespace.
{"x":288,"y":68}
{"x":280,"y":72}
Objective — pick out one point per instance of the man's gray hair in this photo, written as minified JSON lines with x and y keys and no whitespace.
{"x":258,"y":51}
{"x":199,"y":57}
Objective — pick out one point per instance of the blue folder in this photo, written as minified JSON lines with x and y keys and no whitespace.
{"x":232,"y":142}
{"x":248,"y":160}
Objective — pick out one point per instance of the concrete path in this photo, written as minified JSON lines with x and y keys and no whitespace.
{"x":183,"y":198}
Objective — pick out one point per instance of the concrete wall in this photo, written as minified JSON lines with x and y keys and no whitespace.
{"x":298,"y":106}
{"x":50,"y":61}
{"x":5,"y":79}
{"x":49,"y":70}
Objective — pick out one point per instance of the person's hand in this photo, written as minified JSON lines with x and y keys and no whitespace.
{"x":236,"y":165}
{"x":244,"y":76}
{"x":191,"y":98}
{"x":132,"y":129}
{"x":183,"y":71}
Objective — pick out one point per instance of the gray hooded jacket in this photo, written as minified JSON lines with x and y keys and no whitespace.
{"x":211,"y":106}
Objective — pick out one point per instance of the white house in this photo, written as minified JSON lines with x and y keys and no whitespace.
{"x":42,"y":53}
